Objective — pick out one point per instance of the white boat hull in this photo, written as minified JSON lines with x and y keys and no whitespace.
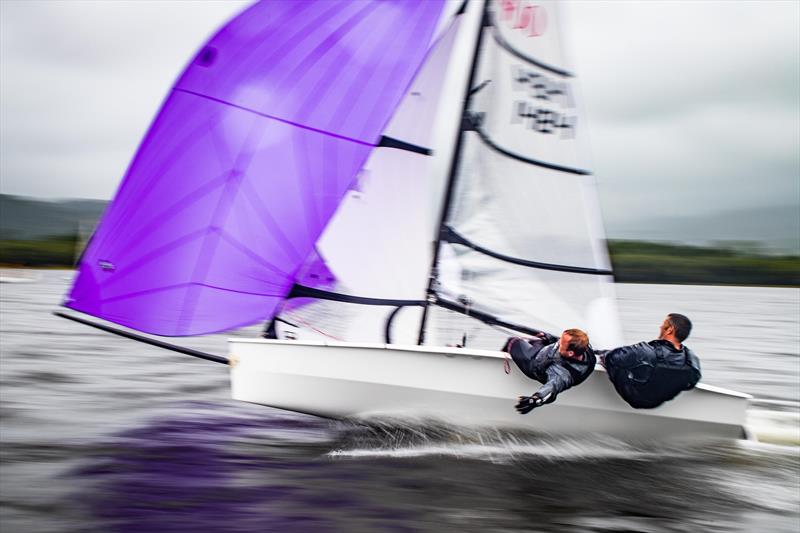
{"x":462,"y":387}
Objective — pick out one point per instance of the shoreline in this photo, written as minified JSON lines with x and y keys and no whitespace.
{"x":616,"y":281}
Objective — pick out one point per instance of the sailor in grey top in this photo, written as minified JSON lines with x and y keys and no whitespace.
{"x":557,"y":363}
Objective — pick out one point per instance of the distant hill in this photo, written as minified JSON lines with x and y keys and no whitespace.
{"x":40,"y":233}
{"x":772,"y":229}
{"x":23,"y":218}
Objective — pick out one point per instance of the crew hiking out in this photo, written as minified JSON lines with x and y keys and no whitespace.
{"x":557,"y":363}
{"x":648,"y":374}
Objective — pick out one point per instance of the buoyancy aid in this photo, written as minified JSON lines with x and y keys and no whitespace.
{"x":655,"y":380}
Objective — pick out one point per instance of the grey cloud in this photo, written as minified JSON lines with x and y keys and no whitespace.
{"x":81,"y":82}
{"x":690,"y":105}
{"x":644,"y":60}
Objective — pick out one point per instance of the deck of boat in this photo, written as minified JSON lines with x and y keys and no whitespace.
{"x":460,"y":386}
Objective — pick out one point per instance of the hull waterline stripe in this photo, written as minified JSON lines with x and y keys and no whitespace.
{"x":301,"y":291}
{"x":146,"y":340}
{"x":491,"y":144}
{"x":449,"y":235}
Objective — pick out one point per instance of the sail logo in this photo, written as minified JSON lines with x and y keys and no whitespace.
{"x":539,"y":86}
{"x":543,"y":120}
{"x":524,"y":16}
{"x":541,"y":96}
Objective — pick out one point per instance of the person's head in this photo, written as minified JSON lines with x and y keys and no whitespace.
{"x":573,"y":343}
{"x":675,"y":328}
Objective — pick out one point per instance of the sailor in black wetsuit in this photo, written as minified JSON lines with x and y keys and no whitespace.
{"x":648,"y":374}
{"x":557,"y":363}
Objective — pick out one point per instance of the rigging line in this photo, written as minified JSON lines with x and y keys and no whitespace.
{"x":486,"y":318}
{"x":155,"y":290}
{"x":387,"y":332}
{"x":454,"y":168}
{"x":256,"y":203}
{"x":146,"y":340}
{"x":385,"y":141}
{"x":491,"y":144}
{"x":301,"y":291}
{"x":390,"y":319}
{"x":251,"y":254}
{"x":516,"y":53}
{"x":111,"y":226}
{"x":449,"y":235}
{"x":144,"y":259}
{"x":273,"y":117}
{"x":312,"y":328}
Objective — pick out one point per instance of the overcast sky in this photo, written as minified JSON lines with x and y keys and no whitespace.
{"x":692,"y":106}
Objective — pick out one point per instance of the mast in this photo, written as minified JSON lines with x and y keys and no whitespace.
{"x":454,"y":168}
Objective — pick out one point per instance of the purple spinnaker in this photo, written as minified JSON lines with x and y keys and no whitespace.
{"x":246,"y":162}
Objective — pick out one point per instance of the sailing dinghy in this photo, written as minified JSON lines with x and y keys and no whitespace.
{"x":372,"y":180}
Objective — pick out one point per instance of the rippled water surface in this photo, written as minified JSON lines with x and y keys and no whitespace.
{"x":104,"y":434}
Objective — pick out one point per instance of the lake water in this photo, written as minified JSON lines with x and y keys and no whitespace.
{"x":100,"y":433}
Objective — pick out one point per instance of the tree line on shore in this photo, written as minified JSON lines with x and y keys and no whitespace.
{"x":633,"y":261}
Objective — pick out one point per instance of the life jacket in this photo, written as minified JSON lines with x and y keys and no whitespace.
{"x":655,"y":380}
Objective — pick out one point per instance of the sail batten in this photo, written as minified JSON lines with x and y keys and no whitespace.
{"x":452,"y":237}
{"x":301,"y":291}
{"x":531,"y":161}
{"x":391,"y":142}
{"x":498,"y":38}
{"x":523,"y":241}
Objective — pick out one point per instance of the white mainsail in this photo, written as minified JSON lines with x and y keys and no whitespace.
{"x":526,"y":229}
{"x":523,"y":237}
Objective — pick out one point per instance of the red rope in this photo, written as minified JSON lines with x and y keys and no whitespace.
{"x":507,"y":356}
{"x":309,"y":326}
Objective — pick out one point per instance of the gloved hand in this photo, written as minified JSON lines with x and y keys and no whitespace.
{"x":546,"y":337}
{"x":526,"y":404}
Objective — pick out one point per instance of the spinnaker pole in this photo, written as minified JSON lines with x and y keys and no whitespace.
{"x":146,"y":340}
